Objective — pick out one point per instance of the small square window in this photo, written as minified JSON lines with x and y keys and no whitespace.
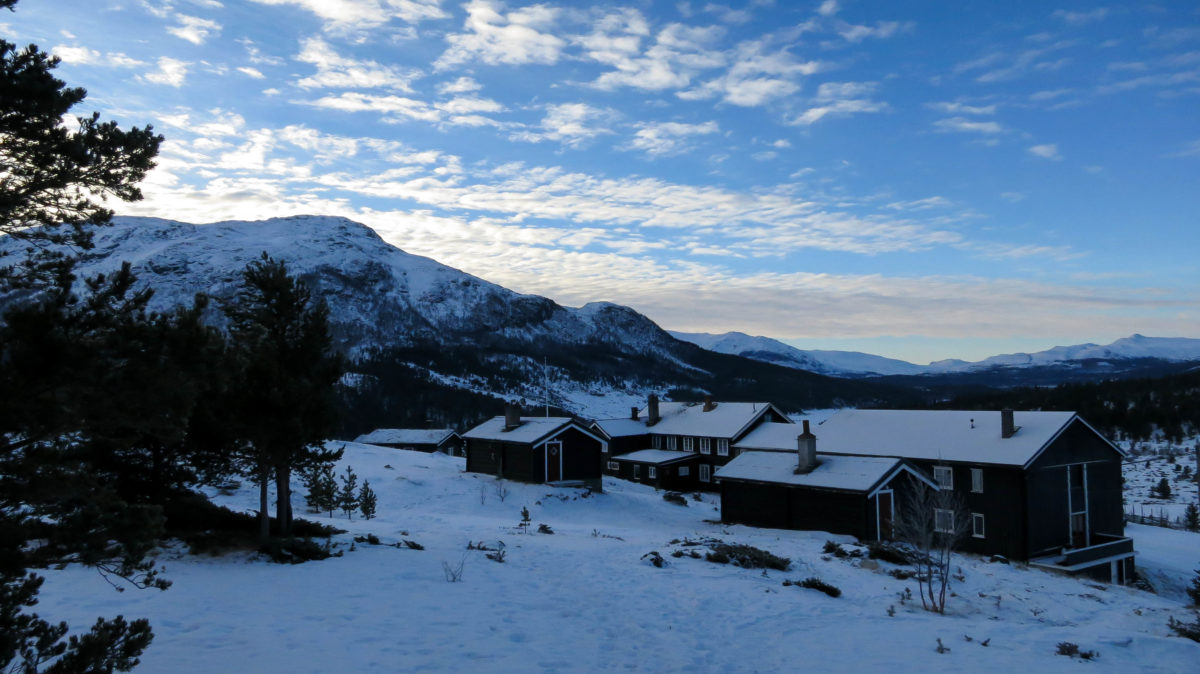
{"x":652,"y":472}
{"x":613,"y":465}
{"x":977,"y":480}
{"x":977,"y":525}
{"x":684,"y":471}
{"x":722,"y":447}
{"x":943,"y":521}
{"x":944,"y":477}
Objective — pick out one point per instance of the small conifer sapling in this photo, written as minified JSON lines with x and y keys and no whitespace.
{"x":367,"y":500}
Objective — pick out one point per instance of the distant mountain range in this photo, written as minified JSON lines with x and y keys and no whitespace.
{"x":1122,"y":353}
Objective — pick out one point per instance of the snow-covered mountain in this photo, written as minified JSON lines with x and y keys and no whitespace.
{"x":835,"y":363}
{"x":854,"y":364}
{"x":444,"y":328}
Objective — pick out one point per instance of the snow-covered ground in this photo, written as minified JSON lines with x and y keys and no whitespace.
{"x":1146,"y":468}
{"x":584,"y":598}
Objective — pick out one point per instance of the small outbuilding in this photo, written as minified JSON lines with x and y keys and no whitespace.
{"x":659,"y":468}
{"x":444,"y":440}
{"x":552,"y":450}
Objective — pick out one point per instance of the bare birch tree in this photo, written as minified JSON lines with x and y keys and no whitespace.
{"x":933,"y":523}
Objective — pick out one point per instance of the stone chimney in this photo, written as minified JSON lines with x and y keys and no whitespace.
{"x":512,"y":416}
{"x":633,"y":413}
{"x":652,"y":410}
{"x":709,"y":405}
{"x":806,"y":448}
{"x":1006,"y":424}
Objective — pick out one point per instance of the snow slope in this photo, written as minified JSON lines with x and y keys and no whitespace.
{"x":817,"y":360}
{"x":583,"y":599}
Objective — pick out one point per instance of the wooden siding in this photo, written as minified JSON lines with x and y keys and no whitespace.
{"x":582,"y":459}
{"x":779,"y":506}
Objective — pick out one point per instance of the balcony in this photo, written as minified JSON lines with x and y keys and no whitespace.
{"x":1072,"y":560}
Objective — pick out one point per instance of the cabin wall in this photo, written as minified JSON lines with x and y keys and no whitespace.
{"x":1002,"y":504}
{"x":582,"y":458}
{"x":783,"y":507}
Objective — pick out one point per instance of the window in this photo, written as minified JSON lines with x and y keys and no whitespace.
{"x":604,"y":448}
{"x":671,"y":442}
{"x":684,"y":471}
{"x":657,"y":439}
{"x":943,"y":521}
{"x":944,"y":477}
{"x":637,"y":471}
{"x":706,"y":445}
{"x":687,"y":445}
{"x":705,"y":472}
{"x":722,"y":447}
{"x":652,"y":472}
{"x":977,"y":525}
{"x":613,"y":465}
{"x":977,"y":480}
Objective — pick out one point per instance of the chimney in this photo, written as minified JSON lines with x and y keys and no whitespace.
{"x":633,"y":413}
{"x":709,"y":405}
{"x":512,"y":416}
{"x":1006,"y":424}
{"x":652,"y":410}
{"x":806,"y":446}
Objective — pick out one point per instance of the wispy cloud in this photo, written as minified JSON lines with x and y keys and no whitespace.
{"x":357,"y":15}
{"x":1047,"y":151}
{"x":335,"y":71}
{"x":490,"y":36}
{"x":194,"y":29}
{"x":572,"y":124}
{"x":964,"y":125}
{"x":171,"y":72}
{"x":86,"y":56}
{"x":840,"y":99}
{"x":757,"y":76}
{"x":1081,"y":18}
{"x":960,"y":108}
{"x":662,"y":138}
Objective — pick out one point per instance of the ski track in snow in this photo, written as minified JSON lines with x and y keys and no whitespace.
{"x":583,"y":600}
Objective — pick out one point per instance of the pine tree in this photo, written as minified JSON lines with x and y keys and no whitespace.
{"x":347,"y":497}
{"x":1191,"y":517}
{"x":287,"y":370}
{"x":321,"y":483}
{"x":367,"y":500}
{"x":1162,"y":490}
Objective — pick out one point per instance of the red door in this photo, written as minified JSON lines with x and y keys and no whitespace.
{"x":553,"y":461}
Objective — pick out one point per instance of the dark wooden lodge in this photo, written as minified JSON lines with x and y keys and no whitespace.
{"x":659,"y":468}
{"x":443,"y":440}
{"x":553,"y":450}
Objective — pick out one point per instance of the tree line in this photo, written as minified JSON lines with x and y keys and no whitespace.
{"x":110,"y":413}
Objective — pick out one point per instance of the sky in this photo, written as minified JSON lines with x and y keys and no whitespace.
{"x":921,"y":180}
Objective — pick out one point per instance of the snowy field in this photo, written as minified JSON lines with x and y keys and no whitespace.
{"x":584,"y":599}
{"x":1148,"y":466}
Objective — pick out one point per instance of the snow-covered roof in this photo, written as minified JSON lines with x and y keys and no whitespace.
{"x":772,"y":436}
{"x":932,"y":435}
{"x":726,"y":420}
{"x":406,"y":436}
{"x":621,"y":428}
{"x":655,"y":456}
{"x":531,"y":429}
{"x":850,"y":473}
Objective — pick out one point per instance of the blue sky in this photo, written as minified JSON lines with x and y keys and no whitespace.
{"x":921,"y":180}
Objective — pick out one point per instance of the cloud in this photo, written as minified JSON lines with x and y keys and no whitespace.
{"x":882,"y":29}
{"x":663,"y":138}
{"x":86,"y":56}
{"x":1048,"y":151}
{"x":828,"y":8}
{"x":335,"y":71}
{"x":960,"y":108}
{"x":171,"y":72}
{"x":572,"y":124}
{"x":1192,"y":149}
{"x":1013,"y":65}
{"x":1081,"y":18}
{"x":964,"y":125}
{"x":521,"y":36}
{"x":678,"y":54}
{"x":840,"y":99}
{"x":358,"y":15}
{"x":254,"y":73}
{"x":462,"y":85}
{"x":756,"y":77}
{"x":194,"y":29}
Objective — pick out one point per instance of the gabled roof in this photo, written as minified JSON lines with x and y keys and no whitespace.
{"x":531,"y":431}
{"x":621,"y":428}
{"x":932,"y":435}
{"x":656,"y":456}
{"x":406,"y":436}
{"x":843,"y":473}
{"x":725,"y":420}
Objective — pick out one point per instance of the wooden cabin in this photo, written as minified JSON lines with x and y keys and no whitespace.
{"x":659,"y":468}
{"x":444,"y":440}
{"x":1042,"y":487}
{"x":551,"y":450}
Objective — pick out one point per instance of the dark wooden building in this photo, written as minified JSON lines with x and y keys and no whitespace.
{"x":444,"y":440}
{"x":708,"y":430}
{"x":553,"y":450}
{"x":1042,"y":487}
{"x":659,"y":468}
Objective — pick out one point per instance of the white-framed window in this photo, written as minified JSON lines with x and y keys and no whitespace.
{"x":722,"y":447}
{"x":977,"y":525}
{"x":613,"y":465}
{"x":657,"y":441}
{"x":943,"y":520}
{"x":705,"y":472}
{"x":604,"y":448}
{"x":706,"y":445}
{"x":944,"y":477}
{"x":684,"y":471}
{"x":652,"y":472}
{"x":672,"y":442}
{"x":637,"y":471}
{"x":977,"y":480}
{"x":687,"y":444}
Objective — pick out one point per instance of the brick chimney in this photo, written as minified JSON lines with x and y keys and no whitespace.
{"x":633,"y":413}
{"x":512,"y":416}
{"x":1006,"y":424}
{"x":652,"y":410}
{"x":709,"y":405}
{"x":806,"y":448}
